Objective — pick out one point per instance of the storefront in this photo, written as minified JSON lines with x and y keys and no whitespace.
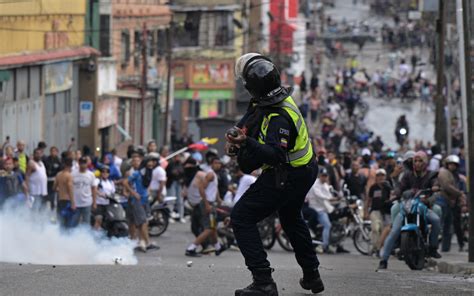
{"x":203,"y":89}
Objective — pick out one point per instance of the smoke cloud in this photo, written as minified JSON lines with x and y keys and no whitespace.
{"x":29,"y":237}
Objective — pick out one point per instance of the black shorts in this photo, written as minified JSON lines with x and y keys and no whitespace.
{"x":135,"y":211}
{"x":208,"y":220}
{"x":100,"y":211}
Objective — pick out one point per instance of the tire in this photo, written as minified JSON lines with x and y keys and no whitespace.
{"x":119,"y":229}
{"x":266,"y":228}
{"x":360,"y":243}
{"x":413,"y":255}
{"x":159,"y":223}
{"x":284,"y":241}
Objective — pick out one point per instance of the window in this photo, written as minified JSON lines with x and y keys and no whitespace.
{"x":105,"y":35}
{"x":151,"y":43}
{"x":161,"y":42}
{"x":125,"y":47}
{"x":222,"y":107}
{"x":224,"y":29}
{"x":194,"y":108}
{"x":137,"y":51}
{"x":187,"y":33}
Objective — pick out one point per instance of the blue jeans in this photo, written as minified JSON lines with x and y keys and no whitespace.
{"x":311,"y":217}
{"x":82,"y":215}
{"x":392,"y":238}
{"x":323,"y":218}
{"x":175,"y":190}
{"x":451,"y":216}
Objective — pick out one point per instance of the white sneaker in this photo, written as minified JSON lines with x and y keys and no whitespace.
{"x":182,"y":220}
{"x":142,"y":246}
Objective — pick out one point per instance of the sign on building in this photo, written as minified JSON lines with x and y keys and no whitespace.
{"x":58,"y":77}
{"x":85,"y":113}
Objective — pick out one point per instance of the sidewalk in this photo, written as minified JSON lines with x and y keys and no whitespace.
{"x":453,"y":262}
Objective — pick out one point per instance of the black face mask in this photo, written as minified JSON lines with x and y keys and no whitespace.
{"x":408,"y":164}
{"x":189,"y":174}
{"x":321,"y":160}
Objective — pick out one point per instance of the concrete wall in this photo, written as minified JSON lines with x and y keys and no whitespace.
{"x":41,"y":24}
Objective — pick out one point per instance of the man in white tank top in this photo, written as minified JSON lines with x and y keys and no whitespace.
{"x":37,"y":179}
{"x":206,"y":183}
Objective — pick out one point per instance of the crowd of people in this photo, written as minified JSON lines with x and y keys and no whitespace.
{"x":78,"y":187}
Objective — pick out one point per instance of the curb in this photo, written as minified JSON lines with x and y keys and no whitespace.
{"x":453,"y":267}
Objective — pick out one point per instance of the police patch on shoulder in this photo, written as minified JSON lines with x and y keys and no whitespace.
{"x":284,"y":132}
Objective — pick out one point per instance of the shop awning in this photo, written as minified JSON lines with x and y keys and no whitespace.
{"x":47,"y":56}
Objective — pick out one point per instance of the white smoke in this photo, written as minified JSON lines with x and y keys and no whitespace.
{"x":29,"y":237}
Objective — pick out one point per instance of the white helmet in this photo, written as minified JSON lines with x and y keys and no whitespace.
{"x":452,"y":159}
{"x":242,"y":61}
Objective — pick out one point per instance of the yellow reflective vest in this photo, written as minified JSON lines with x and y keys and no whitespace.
{"x":302,"y":152}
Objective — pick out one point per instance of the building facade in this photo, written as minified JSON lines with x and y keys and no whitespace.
{"x":48,"y":78}
{"x":123,"y":25}
{"x":207,"y":39}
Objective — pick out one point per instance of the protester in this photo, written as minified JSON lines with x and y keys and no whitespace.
{"x":137,"y":185}
{"x":12,"y":185}
{"x":37,"y":179}
{"x":53,"y":166}
{"x":85,"y":193}
{"x":105,"y":190}
{"x":209,"y":197}
{"x":64,"y":186}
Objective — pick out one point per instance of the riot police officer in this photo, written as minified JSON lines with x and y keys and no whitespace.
{"x":273,"y":136}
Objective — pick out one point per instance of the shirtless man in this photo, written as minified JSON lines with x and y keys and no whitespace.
{"x":63,"y":185}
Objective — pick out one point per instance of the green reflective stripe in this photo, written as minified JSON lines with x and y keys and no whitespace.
{"x":300,"y":153}
{"x":299,"y":123}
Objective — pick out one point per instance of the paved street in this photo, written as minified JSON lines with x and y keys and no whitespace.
{"x":164,"y":272}
{"x":383,"y":114}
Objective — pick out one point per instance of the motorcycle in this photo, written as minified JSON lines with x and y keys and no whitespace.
{"x":160,"y":216}
{"x":225,"y":234}
{"x":349,"y":209}
{"x":415,"y":231}
{"x":114,"y":221}
{"x":402,"y":135}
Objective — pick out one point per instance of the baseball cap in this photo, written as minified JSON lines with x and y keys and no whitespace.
{"x":380,"y":172}
{"x":366,"y":151}
{"x":83,"y":159}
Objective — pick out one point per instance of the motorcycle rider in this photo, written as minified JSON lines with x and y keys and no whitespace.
{"x":452,"y":200}
{"x":418,"y":179}
{"x":272,"y":135}
{"x":319,"y":197}
{"x":402,"y":130}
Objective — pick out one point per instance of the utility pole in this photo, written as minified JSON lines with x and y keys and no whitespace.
{"x":440,"y":122}
{"x":144,"y":84}
{"x":469,"y":140}
{"x":169,"y":59}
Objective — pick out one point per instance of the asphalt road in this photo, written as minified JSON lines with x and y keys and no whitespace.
{"x":165,"y":272}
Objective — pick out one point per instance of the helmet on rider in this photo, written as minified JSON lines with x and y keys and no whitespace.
{"x":452,"y":159}
{"x":261,"y":78}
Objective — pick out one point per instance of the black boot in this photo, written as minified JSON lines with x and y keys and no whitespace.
{"x":312,"y":281}
{"x":434,"y":253}
{"x":262,"y":285}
